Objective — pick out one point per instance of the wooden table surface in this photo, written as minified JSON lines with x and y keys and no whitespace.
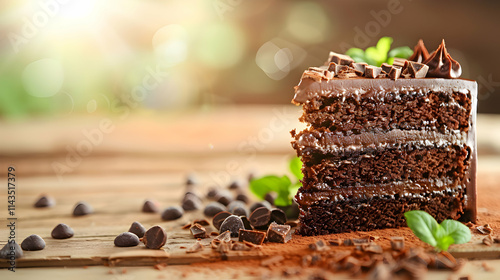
{"x":116,"y":162}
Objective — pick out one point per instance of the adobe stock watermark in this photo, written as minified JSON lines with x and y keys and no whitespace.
{"x":92,"y":138}
{"x":486,"y":86}
{"x":282,"y":116}
{"x":48,"y":9}
{"x":373,"y":28}
{"x":221,"y":7}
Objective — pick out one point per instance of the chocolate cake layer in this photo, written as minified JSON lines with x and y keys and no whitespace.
{"x":386,"y":165}
{"x":330,"y":216}
{"x":439,"y":111}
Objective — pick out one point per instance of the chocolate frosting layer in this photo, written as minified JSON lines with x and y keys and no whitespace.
{"x":420,"y":53}
{"x":441,"y":65}
{"x":309,"y":89}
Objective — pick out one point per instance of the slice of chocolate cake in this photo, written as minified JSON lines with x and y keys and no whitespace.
{"x":384,"y":140}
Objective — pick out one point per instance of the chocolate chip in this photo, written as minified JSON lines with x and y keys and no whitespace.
{"x":137,"y":229}
{"x":155,"y":237}
{"x":260,"y":204}
{"x":191,"y":202}
{"x":11,"y":250}
{"x":127,"y":239}
{"x":62,"y":231}
{"x":372,"y":71}
{"x":172,"y":213}
{"x":224,"y":198}
{"x":191,"y":179}
{"x":270,"y":197}
{"x":232,"y":223}
{"x":196,"y":247}
{"x":246,"y":223}
{"x":278,"y":216}
{"x":242,"y":197}
{"x":213,"y":208}
{"x":198,"y":231}
{"x":150,"y":206}
{"x":219,"y":219}
{"x":238,"y":208}
{"x":235,"y":185}
{"x":45,"y":201}
{"x":82,"y":208}
{"x":33,"y":243}
{"x":319,"y":245}
{"x":260,"y":218}
{"x":212,"y":193}
{"x":252,"y":236}
{"x":397,"y":243}
{"x":279,"y":233}
{"x":340,"y":59}
{"x":251,"y":175}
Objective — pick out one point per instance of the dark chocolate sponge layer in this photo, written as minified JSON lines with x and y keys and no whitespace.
{"x":414,"y":110}
{"x":326,"y":217}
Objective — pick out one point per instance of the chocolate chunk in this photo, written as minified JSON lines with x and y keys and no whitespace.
{"x":400,"y":62}
{"x":358,"y":241}
{"x":260,"y":218}
{"x":127,"y":239}
{"x":33,"y":243}
{"x":347,"y":75}
{"x":319,"y":73}
{"x":224,"y":236}
{"x":340,"y":59}
{"x":372,"y":71}
{"x":213,"y":208}
{"x":486,"y":229}
{"x":11,"y":250}
{"x":232,"y":223}
{"x":348,"y":242}
{"x":395,"y":73}
{"x":336,"y":242}
{"x":172,"y":213}
{"x":45,"y":201}
{"x":332,"y":67}
{"x":373,"y":248}
{"x":386,"y":67}
{"x":155,"y":237}
{"x":278,"y":216}
{"x":242,"y":197}
{"x":137,"y":229}
{"x":240,"y":246}
{"x":62,"y":231}
{"x":319,"y":245}
{"x":196,"y":247}
{"x":82,"y":208}
{"x":339,"y":69}
{"x":260,"y":204}
{"x":380,"y":271}
{"x":198,"y":231}
{"x":359,"y":68}
{"x":212,"y":193}
{"x":235,"y":185}
{"x":279,"y":233}
{"x":224,"y":198}
{"x":246,"y":223}
{"x":150,"y":206}
{"x":219,"y":219}
{"x":397,"y":243}
{"x":488,"y":241}
{"x":417,"y":70}
{"x":191,"y":202}
{"x":252,"y":236}
{"x":270,"y":197}
{"x":202,"y":222}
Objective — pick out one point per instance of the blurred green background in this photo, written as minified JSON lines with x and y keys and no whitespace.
{"x":88,"y":56}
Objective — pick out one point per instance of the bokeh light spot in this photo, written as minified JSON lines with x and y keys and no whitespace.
{"x":308,"y":22}
{"x":43,"y":78}
{"x":273,"y":60}
{"x":220,"y":45}
{"x":170,"y":44}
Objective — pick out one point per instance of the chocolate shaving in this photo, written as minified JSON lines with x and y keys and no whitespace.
{"x":486,"y":229}
{"x":488,"y":241}
{"x":319,"y":245}
{"x":397,"y":243}
{"x":196,"y":247}
{"x":198,"y":231}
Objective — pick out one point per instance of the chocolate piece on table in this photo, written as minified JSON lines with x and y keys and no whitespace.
{"x":45,"y":201}
{"x":240,"y":211}
{"x":348,"y":242}
{"x":441,"y":65}
{"x":235,"y":204}
{"x":485,"y":229}
{"x":372,"y":71}
{"x":150,"y":206}
{"x":126,"y":239}
{"x":225,"y":236}
{"x":279,"y":233}
{"x":397,"y":243}
{"x":488,"y":241}
{"x":319,"y":245}
{"x":196,"y":247}
{"x":33,"y":243}
{"x":62,"y":231}
{"x":252,"y":236}
{"x":202,"y":222}
{"x":137,"y":229}
{"x":172,"y":213}
{"x":240,"y":246}
{"x":213,"y":208}
{"x":11,"y":250}
{"x":359,"y":68}
{"x":259,"y":204}
{"x":242,"y":197}
{"x":155,"y":237}
{"x":260,"y":218}
{"x":278,"y":216}
{"x":336,"y":242}
{"x":219,"y":219}
{"x":224,"y":197}
{"x":270,"y":197}
{"x":373,"y":248}
{"x":395,"y":73}
{"x":212,"y":193}
{"x":246,"y":223}
{"x":420,"y":53}
{"x":340,"y":59}
{"x":198,"y":231}
{"x":82,"y":208}
{"x":235,"y":185}
{"x":191,"y":202}
{"x":232,"y":223}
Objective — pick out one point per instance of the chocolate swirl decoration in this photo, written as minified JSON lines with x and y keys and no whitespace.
{"x":420,"y":53}
{"x":441,"y":65}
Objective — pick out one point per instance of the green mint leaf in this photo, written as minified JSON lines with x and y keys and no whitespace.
{"x":445,"y":242}
{"x":423,"y":225}
{"x":456,"y":230}
{"x":271,"y":183}
{"x":384,"y":45}
{"x":401,"y":52}
{"x":295,"y":166}
{"x":283,"y":198}
{"x":390,"y":60}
